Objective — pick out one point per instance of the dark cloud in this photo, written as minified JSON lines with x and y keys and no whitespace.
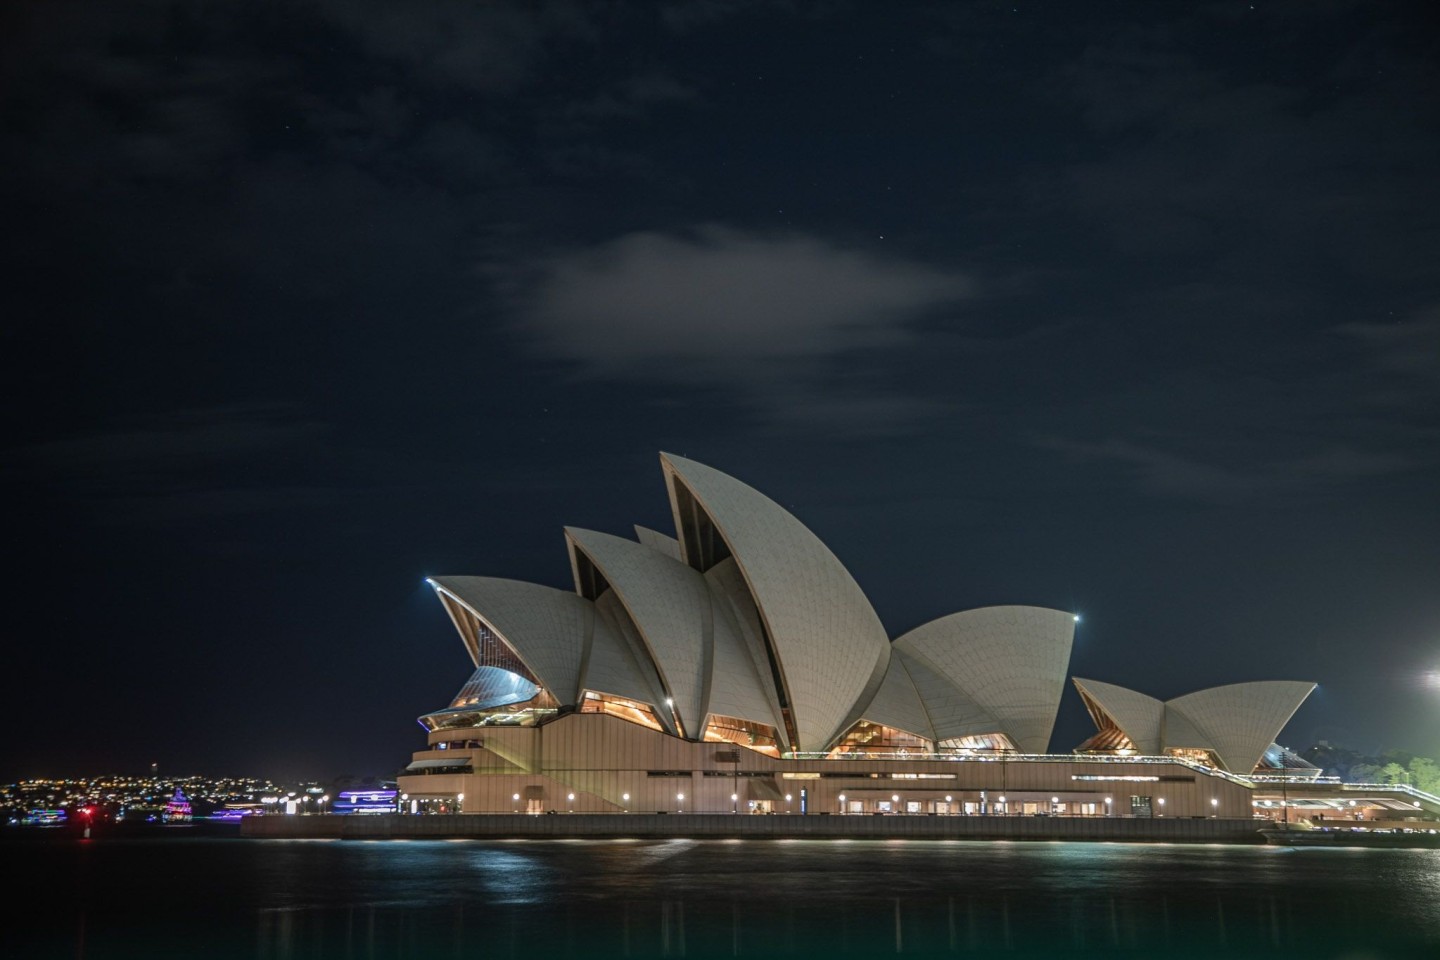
{"x":723,"y":307}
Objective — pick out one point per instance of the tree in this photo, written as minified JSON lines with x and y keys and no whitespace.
{"x":1364,"y":773}
{"x":1394,"y":773}
{"x":1425,"y":775}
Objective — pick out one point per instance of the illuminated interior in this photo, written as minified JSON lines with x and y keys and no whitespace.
{"x":760,"y":737}
{"x":1196,"y":755}
{"x":867,"y":738}
{"x":1111,"y":740}
{"x":528,"y":713}
{"x":979,"y":743}
{"x":620,"y":707}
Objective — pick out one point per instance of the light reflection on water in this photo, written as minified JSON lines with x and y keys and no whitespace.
{"x":543,"y":899}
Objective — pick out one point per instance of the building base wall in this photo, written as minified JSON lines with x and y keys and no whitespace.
{"x":732,"y":826}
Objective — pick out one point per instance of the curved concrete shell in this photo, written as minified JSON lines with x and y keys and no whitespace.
{"x":740,"y":683}
{"x":897,"y":703}
{"x":827,"y":647}
{"x":656,"y":540}
{"x":1240,"y":720}
{"x":1132,"y":713}
{"x":1010,"y":661}
{"x":669,"y":604}
{"x":615,"y":662}
{"x":953,"y":713}
{"x":545,"y":628}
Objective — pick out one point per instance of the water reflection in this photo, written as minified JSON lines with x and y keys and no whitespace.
{"x":494,"y":901}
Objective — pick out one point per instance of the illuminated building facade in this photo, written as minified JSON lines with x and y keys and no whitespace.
{"x":737,"y":666}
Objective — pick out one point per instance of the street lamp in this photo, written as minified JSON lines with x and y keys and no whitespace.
{"x":570,"y":801}
{"x":625,"y":797}
{"x":516,"y":803}
{"x":1162,"y":806}
{"x":1214,"y":805}
{"x":680,"y":802}
{"x":1004,"y":809}
{"x":1108,"y":801}
{"x":788,"y":808}
{"x":459,"y":802}
{"x":1054,"y":804}
{"x":947,"y":804}
{"x":895,"y":799}
{"x":842,"y":804}
{"x":734,"y":803}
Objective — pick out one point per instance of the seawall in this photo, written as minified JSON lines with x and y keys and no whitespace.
{"x":730,"y":826}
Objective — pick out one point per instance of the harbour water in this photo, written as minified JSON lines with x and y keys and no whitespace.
{"x":497,"y":900}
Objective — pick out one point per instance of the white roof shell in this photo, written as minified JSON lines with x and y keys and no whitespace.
{"x":669,"y":604}
{"x":545,"y":627}
{"x":1009,"y":661}
{"x":831,"y":648}
{"x":656,"y":540}
{"x":898,"y":704}
{"x":1138,"y":716}
{"x":1237,"y":722}
{"x":1241,"y":720}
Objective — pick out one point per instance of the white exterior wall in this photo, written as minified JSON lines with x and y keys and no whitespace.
{"x":601,"y":758}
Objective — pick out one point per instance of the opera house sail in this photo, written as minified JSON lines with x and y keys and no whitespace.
{"x":738,"y":667}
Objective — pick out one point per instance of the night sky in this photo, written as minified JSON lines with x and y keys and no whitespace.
{"x":1126,"y":308}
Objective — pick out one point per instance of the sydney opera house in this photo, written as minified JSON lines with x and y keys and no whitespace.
{"x":738,"y":667}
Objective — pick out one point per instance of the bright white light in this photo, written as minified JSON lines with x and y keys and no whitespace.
{"x":1077,"y":618}
{"x":734,"y":797}
{"x":625,"y":797}
{"x":1431,"y":679}
{"x":571,"y":797}
{"x":516,"y":797}
{"x":679,"y":796}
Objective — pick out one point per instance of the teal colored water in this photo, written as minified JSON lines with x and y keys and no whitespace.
{"x":592,"y":899}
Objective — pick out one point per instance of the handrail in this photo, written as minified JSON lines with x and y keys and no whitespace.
{"x":1404,"y":788}
{"x":1024,"y":758}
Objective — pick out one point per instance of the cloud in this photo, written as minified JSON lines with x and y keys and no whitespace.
{"x":766,"y":315}
{"x":1167,"y":475}
{"x":704,"y":303}
{"x":1405,"y":346}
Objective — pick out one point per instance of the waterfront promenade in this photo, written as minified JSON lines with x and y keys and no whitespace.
{"x":730,"y":826}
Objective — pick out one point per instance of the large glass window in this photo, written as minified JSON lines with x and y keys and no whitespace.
{"x":866,"y":738}
{"x":760,"y":737}
{"x":631,"y":710}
